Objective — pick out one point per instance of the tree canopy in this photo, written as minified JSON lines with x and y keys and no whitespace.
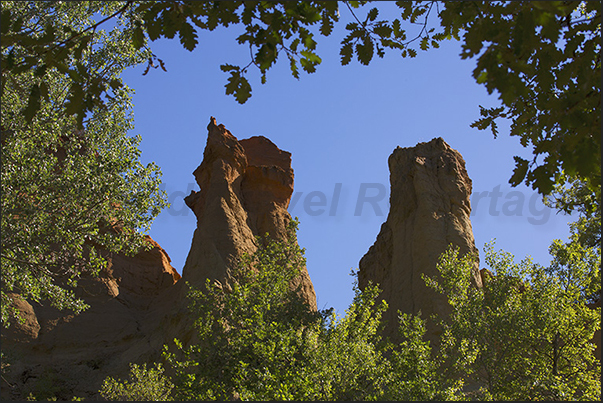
{"x":527,"y":334}
{"x":541,"y":57}
{"x":70,"y":190}
{"x":256,"y":339}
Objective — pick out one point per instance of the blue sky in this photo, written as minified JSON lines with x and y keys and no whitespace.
{"x":340,"y":124}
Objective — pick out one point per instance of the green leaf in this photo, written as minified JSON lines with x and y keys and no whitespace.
{"x":188,"y":36}
{"x":238,"y":86}
{"x":519,"y":173}
{"x":40,"y":71}
{"x":18,"y":24}
{"x":372,"y":15}
{"x":75,"y":99}
{"x":346,"y":53}
{"x":397,"y":27}
{"x":294,"y":45}
{"x":138,"y":39}
{"x":44,"y":90}
{"x":5,"y":19}
{"x":326,"y":25}
{"x":33,"y":103}
{"x":115,"y":84}
{"x":229,"y":67}
{"x":309,"y":61}
{"x":365,"y":50}
{"x":293,"y":67}
{"x":542,"y":179}
{"x":382,"y":30}
{"x":482,"y":77}
{"x":49,"y":34}
{"x":424,"y":43}
{"x":10,"y":59}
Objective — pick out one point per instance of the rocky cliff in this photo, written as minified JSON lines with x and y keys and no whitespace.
{"x":57,"y":354}
{"x":245,"y":189}
{"x":429,"y":209}
{"x":137,"y":304}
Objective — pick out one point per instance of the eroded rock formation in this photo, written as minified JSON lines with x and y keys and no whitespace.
{"x":137,"y":304}
{"x":58,"y":354}
{"x":245,"y":189}
{"x":429,"y":209}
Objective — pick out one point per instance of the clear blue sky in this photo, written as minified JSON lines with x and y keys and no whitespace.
{"x":340,"y":124}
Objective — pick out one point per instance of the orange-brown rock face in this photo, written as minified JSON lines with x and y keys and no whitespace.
{"x":245,"y":189}
{"x":137,"y":304}
{"x":148,"y":273}
{"x":56,"y":353}
{"x":429,"y":209}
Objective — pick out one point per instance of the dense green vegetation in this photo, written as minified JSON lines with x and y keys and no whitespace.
{"x":258,"y":340}
{"x":526,"y":335}
{"x":73,"y":185}
{"x":68,"y":191}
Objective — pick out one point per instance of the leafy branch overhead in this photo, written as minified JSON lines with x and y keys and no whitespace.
{"x":541,"y":58}
{"x":73,"y":189}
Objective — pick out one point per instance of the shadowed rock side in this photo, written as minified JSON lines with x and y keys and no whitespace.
{"x":56,"y":353}
{"x":429,"y":209}
{"x":245,"y":189}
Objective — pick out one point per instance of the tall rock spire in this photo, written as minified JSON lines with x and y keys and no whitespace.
{"x":429,"y":209}
{"x":137,"y":304}
{"x":245,"y":189}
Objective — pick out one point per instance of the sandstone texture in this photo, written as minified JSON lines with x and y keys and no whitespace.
{"x":137,"y":304}
{"x":429,"y":210}
{"x":57,"y":353}
{"x":245,"y":189}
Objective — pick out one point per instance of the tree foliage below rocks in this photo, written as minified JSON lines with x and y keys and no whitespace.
{"x":144,"y":385}
{"x":526,"y":335}
{"x":542,"y":58}
{"x":69,"y":189}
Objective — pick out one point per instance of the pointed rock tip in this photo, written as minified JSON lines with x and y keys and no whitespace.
{"x":214,"y":129}
{"x":261,"y":151}
{"x":212,"y":122}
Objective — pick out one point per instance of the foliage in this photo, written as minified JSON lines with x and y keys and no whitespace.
{"x":528,"y":331}
{"x":143,"y":385}
{"x":577,"y":266}
{"x":69,"y":192}
{"x":526,"y":335}
{"x":250,"y":330}
{"x":344,"y":359}
{"x":420,"y":371}
{"x":572,"y":195}
{"x":258,"y":340}
{"x":55,"y":39}
{"x":543,"y":59}
{"x":581,"y":254}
